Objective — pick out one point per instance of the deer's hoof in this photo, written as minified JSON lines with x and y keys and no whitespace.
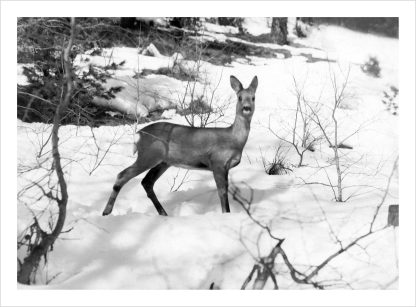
{"x":106,"y":212}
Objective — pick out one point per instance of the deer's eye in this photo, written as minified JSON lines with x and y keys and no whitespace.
{"x":240,"y":99}
{"x":252,"y":99}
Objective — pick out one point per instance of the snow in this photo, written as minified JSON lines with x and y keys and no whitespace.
{"x":211,"y":27}
{"x":257,"y":25}
{"x":349,"y":46}
{"x":21,"y":78}
{"x":134,"y":248}
{"x":156,"y":92}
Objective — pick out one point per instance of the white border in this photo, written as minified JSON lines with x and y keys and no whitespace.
{"x":10,"y":296}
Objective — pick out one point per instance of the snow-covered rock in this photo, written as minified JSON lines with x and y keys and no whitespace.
{"x":257,"y":25}
{"x":211,"y":27}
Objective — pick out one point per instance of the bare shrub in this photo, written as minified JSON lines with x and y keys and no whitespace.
{"x":300,"y":133}
{"x":333,"y":138}
{"x":199,"y":103}
{"x":202,"y":110}
{"x":278,"y":165}
{"x":343,"y":161}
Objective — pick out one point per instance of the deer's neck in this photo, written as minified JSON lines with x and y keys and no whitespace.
{"x":240,"y":129}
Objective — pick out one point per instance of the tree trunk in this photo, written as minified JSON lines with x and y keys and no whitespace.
{"x":393,"y":216}
{"x":31,"y":262}
{"x":336,"y":157}
{"x":279,"y":30}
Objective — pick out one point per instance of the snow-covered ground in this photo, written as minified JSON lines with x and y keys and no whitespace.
{"x":197,"y":245}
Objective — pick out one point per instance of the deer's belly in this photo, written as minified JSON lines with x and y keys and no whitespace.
{"x":187,"y":157}
{"x":198,"y":166}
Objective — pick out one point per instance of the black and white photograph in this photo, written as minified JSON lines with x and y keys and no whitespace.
{"x":209,"y":153}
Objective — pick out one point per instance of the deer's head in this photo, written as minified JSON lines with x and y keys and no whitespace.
{"x":245,"y":97}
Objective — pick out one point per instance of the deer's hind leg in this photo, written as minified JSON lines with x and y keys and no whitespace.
{"x":142,"y":164}
{"x":149,"y":181}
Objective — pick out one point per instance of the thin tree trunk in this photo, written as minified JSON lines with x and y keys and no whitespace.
{"x":279,"y":30}
{"x":31,"y":262}
{"x":336,"y":156}
{"x":300,"y":160}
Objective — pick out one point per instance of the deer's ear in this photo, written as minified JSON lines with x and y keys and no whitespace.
{"x":253,"y":84}
{"x":235,"y":84}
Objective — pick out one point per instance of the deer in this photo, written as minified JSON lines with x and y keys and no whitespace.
{"x":162,"y":145}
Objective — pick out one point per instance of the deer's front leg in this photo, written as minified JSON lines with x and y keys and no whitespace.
{"x":221,"y":179}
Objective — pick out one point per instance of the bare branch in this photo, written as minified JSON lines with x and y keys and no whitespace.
{"x":31,"y":262}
